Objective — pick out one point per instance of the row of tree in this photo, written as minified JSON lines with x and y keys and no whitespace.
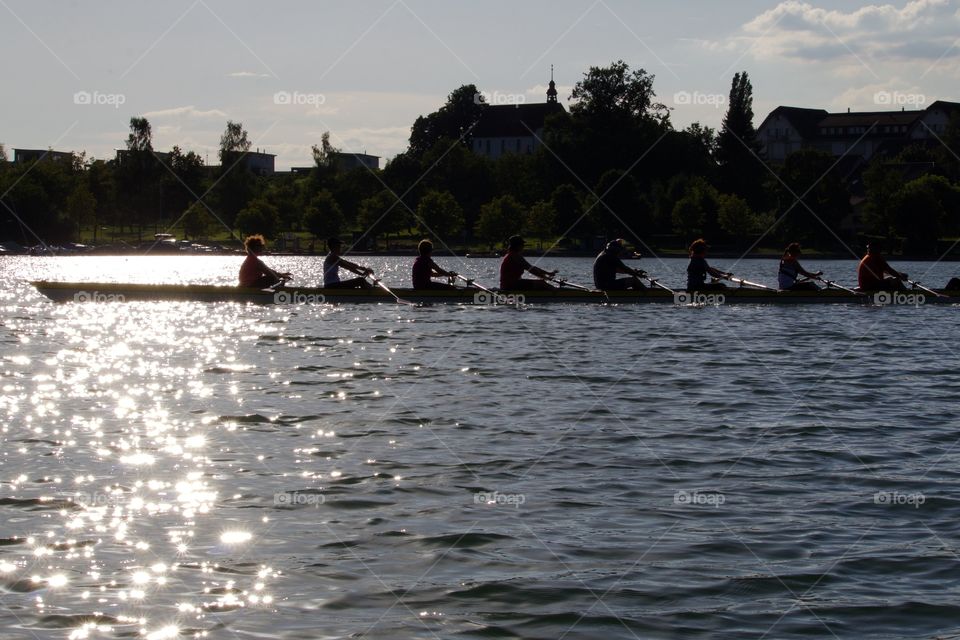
{"x":613,"y":165}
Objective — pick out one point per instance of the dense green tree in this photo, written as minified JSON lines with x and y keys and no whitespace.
{"x":919,"y":211}
{"x":695,"y":214}
{"x":616,"y":208}
{"x":81,"y":206}
{"x":381,"y":215}
{"x":103,"y":187}
{"x":499,"y":219}
{"x":138,"y":177}
{"x":439,"y":214}
{"x":807,"y":174}
{"x":618,"y":94}
{"x":881,"y":181}
{"x":541,"y":220}
{"x":738,"y":221}
{"x":235,"y":185}
{"x":567,"y":204}
{"x":323,"y":217}
{"x":738,"y":147}
{"x":454,"y":121}
{"x":324,"y":161}
{"x":182,"y":182}
{"x":260,"y":216}
{"x":233,"y":142}
{"x":198,"y":222}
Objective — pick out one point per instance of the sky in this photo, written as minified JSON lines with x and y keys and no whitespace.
{"x":75,"y":72}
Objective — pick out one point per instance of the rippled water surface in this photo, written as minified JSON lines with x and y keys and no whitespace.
{"x":558,"y":471}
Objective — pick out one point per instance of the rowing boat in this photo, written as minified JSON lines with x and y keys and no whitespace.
{"x":125,"y":292}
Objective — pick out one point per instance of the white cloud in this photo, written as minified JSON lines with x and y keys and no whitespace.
{"x":248,"y":74}
{"x":188,"y":111}
{"x":922,"y":30}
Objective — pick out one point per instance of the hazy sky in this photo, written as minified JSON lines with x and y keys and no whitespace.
{"x":75,"y":72}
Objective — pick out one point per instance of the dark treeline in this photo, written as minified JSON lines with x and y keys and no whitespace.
{"x":613,"y":165}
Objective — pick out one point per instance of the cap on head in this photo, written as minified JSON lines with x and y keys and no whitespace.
{"x":615,"y":246}
{"x":333,"y":241}
{"x":515,"y":242}
{"x":793,"y":248}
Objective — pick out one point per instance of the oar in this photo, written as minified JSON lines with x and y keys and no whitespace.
{"x":564,"y":283}
{"x":471,"y":283}
{"x":656,"y":283}
{"x":917,"y":285}
{"x":747,"y":283}
{"x":399,"y":300}
{"x":831,"y":283}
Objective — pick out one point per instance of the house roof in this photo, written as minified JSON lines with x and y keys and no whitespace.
{"x":803,"y":120}
{"x":870,"y":118}
{"x":502,"y":121}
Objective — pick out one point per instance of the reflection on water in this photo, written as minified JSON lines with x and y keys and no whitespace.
{"x":195,"y":470}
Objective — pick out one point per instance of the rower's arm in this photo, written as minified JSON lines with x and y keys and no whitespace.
{"x":716,"y":273}
{"x":540,"y":273}
{"x":355,"y":268}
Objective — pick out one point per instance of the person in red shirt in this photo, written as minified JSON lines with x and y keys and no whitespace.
{"x":425,"y":269}
{"x":253,"y":272}
{"x":873,"y":268}
{"x":514,"y":265}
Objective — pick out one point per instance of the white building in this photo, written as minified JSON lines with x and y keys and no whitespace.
{"x":513,"y":128}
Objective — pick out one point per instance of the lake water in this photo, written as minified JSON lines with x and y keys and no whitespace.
{"x":180,"y":470}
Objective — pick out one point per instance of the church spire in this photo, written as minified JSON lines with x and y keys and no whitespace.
{"x":552,"y":91}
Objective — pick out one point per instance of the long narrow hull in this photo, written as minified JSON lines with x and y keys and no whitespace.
{"x":121,"y":292}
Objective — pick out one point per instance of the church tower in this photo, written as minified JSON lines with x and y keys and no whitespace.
{"x":552,"y":91}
